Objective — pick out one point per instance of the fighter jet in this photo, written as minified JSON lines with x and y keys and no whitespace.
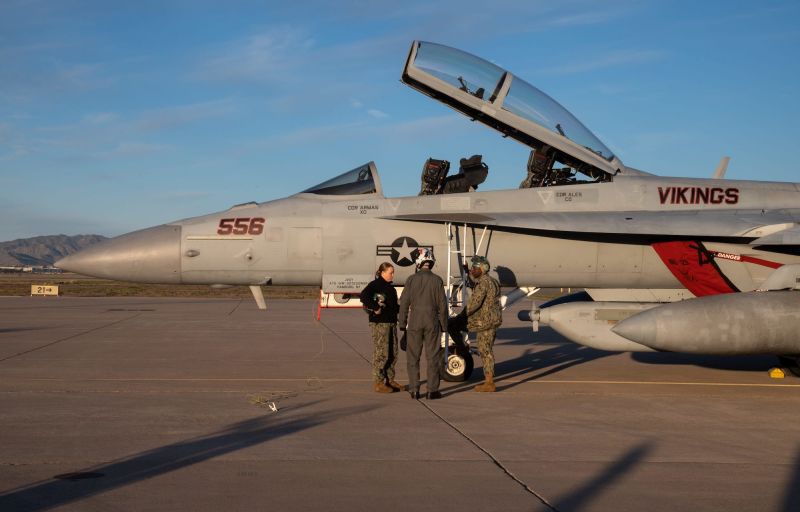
{"x":707,"y":266}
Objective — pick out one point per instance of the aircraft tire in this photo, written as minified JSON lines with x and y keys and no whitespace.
{"x":457,"y":368}
{"x":791,"y":363}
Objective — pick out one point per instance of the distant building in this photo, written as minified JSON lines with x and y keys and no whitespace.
{"x":30,"y":269}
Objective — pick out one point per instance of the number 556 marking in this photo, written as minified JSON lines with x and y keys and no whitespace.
{"x":241,"y":226}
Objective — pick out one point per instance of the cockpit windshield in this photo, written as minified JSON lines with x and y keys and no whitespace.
{"x":503,"y":101}
{"x":357,"y":181}
{"x":527,"y":101}
{"x":469,"y":73}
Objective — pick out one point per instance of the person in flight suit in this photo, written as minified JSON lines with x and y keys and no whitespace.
{"x":484,"y":316}
{"x":380,"y":301}
{"x":424,"y":297}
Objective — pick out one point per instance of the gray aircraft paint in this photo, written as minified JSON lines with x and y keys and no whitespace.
{"x":307,"y":236}
{"x":581,"y":235}
{"x":739,"y":323}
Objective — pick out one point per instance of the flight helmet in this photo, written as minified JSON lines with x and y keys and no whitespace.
{"x":425,"y":255}
{"x":481,"y":262}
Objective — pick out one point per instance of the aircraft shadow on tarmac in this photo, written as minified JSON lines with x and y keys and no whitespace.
{"x":746,"y":363}
{"x":546,"y":336}
{"x":579,"y":498}
{"x":791,"y":501}
{"x":526,"y":336}
{"x":72,"y":487}
{"x":560,"y":356}
{"x":22,"y":329}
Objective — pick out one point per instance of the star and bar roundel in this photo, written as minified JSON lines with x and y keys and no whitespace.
{"x":403,"y":251}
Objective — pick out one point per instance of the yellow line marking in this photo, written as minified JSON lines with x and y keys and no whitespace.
{"x":500,"y":381}
{"x":201,"y":380}
{"x":657,"y":383}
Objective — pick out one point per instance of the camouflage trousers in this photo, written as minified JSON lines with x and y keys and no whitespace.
{"x":485,"y":341}
{"x":384,"y":354}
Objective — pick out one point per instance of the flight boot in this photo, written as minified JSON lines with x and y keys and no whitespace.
{"x":486,"y":387}
{"x":380,"y":387}
{"x":394,"y":385}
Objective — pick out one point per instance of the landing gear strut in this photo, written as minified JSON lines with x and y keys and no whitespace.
{"x":458,"y":363}
{"x":458,"y":367}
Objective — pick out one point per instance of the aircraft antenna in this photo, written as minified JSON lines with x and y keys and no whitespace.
{"x":721,"y":168}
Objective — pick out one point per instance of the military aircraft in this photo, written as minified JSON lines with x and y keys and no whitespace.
{"x":669,"y":264}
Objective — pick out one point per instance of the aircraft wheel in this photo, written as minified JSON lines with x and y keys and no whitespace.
{"x":791,"y":363}
{"x":457,"y":368}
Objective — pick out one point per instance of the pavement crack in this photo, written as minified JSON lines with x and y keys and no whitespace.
{"x":494,"y":459}
{"x":71,"y":337}
{"x":235,"y":307}
{"x":345,"y":342}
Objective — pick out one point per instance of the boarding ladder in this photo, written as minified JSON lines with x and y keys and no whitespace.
{"x":456,"y":291}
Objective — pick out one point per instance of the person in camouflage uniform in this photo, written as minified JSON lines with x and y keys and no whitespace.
{"x":380,"y":302}
{"x":384,"y":356}
{"x":484,"y":316}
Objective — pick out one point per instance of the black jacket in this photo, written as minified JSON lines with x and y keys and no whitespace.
{"x":388,"y":314}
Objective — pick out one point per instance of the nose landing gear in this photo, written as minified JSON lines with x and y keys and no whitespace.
{"x":458,"y":368}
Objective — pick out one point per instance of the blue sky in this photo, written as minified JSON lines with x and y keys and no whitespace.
{"x":116,"y":116}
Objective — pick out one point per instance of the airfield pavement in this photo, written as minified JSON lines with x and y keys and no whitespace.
{"x":130,"y":404}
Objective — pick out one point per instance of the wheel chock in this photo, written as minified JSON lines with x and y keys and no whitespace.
{"x":776,"y":373}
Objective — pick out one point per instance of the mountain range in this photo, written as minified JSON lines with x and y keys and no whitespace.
{"x":43,"y":250}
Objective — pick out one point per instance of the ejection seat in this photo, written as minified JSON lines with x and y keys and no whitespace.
{"x":471,"y":173}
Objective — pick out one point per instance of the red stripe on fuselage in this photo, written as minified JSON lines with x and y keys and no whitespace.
{"x":759,"y":261}
{"x":694,"y":267}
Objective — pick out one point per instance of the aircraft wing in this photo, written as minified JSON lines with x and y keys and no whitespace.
{"x":788,"y":236}
{"x":777,"y":228}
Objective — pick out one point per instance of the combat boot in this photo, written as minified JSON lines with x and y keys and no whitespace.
{"x":486,"y":387}
{"x":380,"y":387}
{"x":394,"y":385}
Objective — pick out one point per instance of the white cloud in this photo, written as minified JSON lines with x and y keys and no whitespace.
{"x":132,"y":149}
{"x":12,"y":144}
{"x":582,"y":18}
{"x":312,"y":135}
{"x":181,"y":115}
{"x":377,"y":114}
{"x":414,"y":128}
{"x":187,"y":194}
{"x":100,"y":118}
{"x":267,"y":57}
{"x":356,"y":130}
{"x":612,"y":59}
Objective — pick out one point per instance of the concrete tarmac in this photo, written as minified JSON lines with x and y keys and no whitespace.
{"x":130,"y":404}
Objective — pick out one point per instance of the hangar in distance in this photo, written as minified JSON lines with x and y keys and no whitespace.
{"x":670,"y":264}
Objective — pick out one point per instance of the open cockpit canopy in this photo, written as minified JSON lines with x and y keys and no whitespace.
{"x":487,"y":93}
{"x":361,"y":180}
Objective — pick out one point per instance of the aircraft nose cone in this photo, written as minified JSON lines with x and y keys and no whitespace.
{"x":639,"y":328}
{"x":150,"y":255}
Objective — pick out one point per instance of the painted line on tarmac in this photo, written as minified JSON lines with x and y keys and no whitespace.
{"x":615,"y":382}
{"x":198,"y":380}
{"x":657,"y":383}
